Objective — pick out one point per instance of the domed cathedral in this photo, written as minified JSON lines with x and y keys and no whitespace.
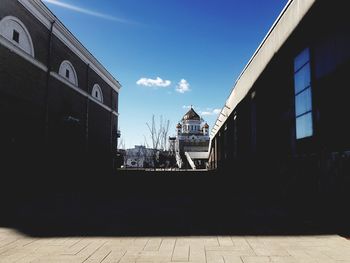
{"x":192,"y":141}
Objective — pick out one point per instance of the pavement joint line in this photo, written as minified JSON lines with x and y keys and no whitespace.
{"x":188,"y":253}
{"x":95,"y":250}
{"x":8,"y":248}
{"x":232,"y":241}
{"x":205,"y":254}
{"x":172,"y":254}
{"x":122,"y":256}
{"x":3,"y":252}
{"x":30,"y":242}
{"x":9,"y":243}
{"x":160,"y":244}
{"x":250,"y":246}
{"x":145,"y":245}
{"x":82,"y":249}
{"x":75,"y":243}
{"x":106,"y":256}
{"x":246,"y":248}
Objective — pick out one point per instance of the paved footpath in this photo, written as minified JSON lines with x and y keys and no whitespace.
{"x":16,"y":247}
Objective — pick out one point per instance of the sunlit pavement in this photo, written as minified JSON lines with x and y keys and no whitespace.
{"x":16,"y":247}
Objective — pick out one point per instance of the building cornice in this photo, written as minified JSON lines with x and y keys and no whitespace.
{"x":82,"y":92}
{"x":46,"y":17}
{"x":15,"y":49}
{"x":68,"y":83}
{"x":282,"y":28}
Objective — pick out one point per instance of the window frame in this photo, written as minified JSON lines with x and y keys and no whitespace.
{"x":62,"y":71}
{"x":15,"y":36}
{"x":30,"y":52}
{"x":298,"y":92}
{"x":97,"y":88}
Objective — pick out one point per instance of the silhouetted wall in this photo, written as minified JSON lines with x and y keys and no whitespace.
{"x":46,"y":125}
{"x":257,"y":144}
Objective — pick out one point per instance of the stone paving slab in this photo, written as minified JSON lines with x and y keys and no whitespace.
{"x":16,"y":247}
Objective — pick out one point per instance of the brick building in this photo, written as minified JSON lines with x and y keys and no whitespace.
{"x":58,"y":104}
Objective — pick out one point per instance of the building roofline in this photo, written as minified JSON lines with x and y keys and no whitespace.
{"x":290,"y":17}
{"x":264,"y":40}
{"x":47,"y":17}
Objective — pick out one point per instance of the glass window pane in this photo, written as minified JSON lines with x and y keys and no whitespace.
{"x":303,"y":102}
{"x":15,"y":36}
{"x":304,"y":126}
{"x":302,"y":78}
{"x":301,"y":59}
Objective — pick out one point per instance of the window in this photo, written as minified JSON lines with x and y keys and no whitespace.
{"x":15,"y":36}
{"x":12,"y":29}
{"x":68,"y":72}
{"x":303,"y":95}
{"x":97,"y":93}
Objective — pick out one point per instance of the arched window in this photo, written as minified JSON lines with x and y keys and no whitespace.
{"x":97,"y":93}
{"x":68,"y":72}
{"x":15,"y":31}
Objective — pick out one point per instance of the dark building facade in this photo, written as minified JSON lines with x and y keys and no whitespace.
{"x":285,"y":123}
{"x":58,"y":104}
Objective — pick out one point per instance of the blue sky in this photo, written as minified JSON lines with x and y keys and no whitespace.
{"x":169,"y":54}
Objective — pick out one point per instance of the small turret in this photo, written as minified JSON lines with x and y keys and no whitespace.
{"x":178,"y":128}
{"x":206,"y":129}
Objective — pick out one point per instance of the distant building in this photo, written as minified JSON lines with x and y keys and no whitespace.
{"x":192,"y":135}
{"x":58,"y":104}
{"x":121,"y":154}
{"x":139,"y":157}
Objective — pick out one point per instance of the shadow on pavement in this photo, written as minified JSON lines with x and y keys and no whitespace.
{"x":163,"y":204}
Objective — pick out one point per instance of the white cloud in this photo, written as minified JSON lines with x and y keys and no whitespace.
{"x":187,"y":107}
{"x":158,"y":82}
{"x":216,"y":111}
{"x":85,"y":11}
{"x":183,"y":86}
{"x":210,"y":112}
{"x":206,"y":113}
